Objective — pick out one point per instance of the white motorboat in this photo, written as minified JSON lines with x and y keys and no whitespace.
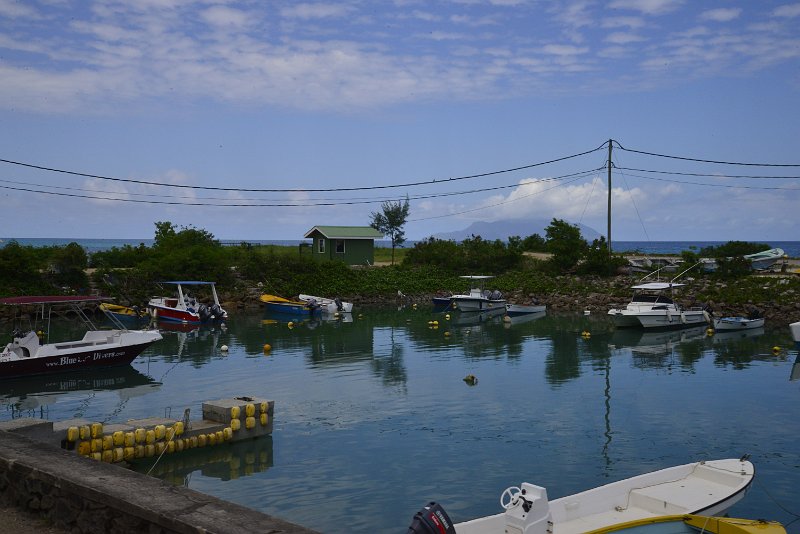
{"x":738,"y":323}
{"x":706,"y":487}
{"x":652,"y":306}
{"x":795,"y":328}
{"x":185,"y":308}
{"x":27,"y":354}
{"x":478,"y":298}
{"x":334,"y":305}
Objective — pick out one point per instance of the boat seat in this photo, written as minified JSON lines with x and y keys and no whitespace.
{"x":681,"y":496}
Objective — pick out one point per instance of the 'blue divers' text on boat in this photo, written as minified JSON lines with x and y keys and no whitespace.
{"x":27,"y":354}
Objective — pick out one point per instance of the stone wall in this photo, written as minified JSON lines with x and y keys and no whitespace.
{"x":85,"y":496}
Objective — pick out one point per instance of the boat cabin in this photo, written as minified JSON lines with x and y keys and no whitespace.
{"x":353,"y":245}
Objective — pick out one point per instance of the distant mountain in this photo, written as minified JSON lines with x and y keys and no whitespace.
{"x":503,"y":229}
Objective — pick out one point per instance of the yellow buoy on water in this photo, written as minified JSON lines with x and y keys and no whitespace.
{"x":776,"y":349}
{"x":709,"y":331}
{"x":267,"y":347}
{"x":290,"y":324}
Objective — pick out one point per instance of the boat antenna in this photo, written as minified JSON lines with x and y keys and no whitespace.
{"x":685,"y":271}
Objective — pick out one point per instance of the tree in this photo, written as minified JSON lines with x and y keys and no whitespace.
{"x":564,"y":241}
{"x":391,"y":221}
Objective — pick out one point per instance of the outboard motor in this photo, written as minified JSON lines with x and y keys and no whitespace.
{"x":432,"y":519}
{"x":217,"y":312}
{"x":496,"y":295}
{"x":338,"y":303}
{"x":204,"y":312}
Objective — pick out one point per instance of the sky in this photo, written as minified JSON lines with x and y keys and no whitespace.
{"x":261,"y":119}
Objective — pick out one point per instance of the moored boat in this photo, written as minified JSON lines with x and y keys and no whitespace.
{"x":328,"y":305}
{"x":28,"y":355}
{"x":738,"y":323}
{"x":795,"y":329}
{"x":523,"y":309}
{"x":652,"y":306}
{"x":276,"y":304}
{"x":759,"y":261}
{"x":478,"y":298}
{"x":185,"y":307}
{"x":705,"y":487}
{"x":125,"y":313}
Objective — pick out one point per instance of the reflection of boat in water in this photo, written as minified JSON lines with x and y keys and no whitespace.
{"x":524,"y":318}
{"x":654,"y":342}
{"x":33,"y":392}
{"x":795,"y":374}
{"x":466,"y":318}
{"x":729,"y":335}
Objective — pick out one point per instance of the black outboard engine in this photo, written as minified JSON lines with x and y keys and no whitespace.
{"x":432,"y":519}
{"x":216,"y":311}
{"x":204,"y":312}
{"x":338,"y":303}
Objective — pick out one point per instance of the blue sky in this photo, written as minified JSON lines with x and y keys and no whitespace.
{"x":299,"y":96}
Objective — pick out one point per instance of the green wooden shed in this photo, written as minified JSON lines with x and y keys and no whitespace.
{"x":354,"y":245}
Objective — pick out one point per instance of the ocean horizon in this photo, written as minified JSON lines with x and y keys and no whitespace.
{"x":791,"y":248}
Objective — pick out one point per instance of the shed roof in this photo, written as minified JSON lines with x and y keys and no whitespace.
{"x":346,"y":232}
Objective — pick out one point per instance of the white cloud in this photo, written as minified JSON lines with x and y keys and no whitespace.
{"x":622,"y":38}
{"x":315,"y":11}
{"x":787,"y":11}
{"x":648,"y":7}
{"x":721,"y":14}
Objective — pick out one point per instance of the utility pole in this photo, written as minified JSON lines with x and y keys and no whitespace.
{"x":610,"y":143}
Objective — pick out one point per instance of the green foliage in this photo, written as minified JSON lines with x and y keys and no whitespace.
{"x":733,"y":248}
{"x":390,"y":221}
{"x":599,"y":261}
{"x":119,"y":257}
{"x":565,"y":243}
{"x":21,"y":269}
{"x":534,"y":243}
{"x":732,"y":268}
{"x":473,"y":255}
{"x":186,"y":254}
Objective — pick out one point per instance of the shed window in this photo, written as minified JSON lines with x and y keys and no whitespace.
{"x":340,"y":246}
{"x":321,"y":246}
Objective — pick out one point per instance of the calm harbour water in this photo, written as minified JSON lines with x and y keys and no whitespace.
{"x":373,"y":419}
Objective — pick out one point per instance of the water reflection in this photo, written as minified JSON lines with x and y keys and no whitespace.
{"x":24,"y":396}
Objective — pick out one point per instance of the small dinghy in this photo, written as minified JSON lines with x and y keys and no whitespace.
{"x":705,"y":487}
{"x":738,"y":323}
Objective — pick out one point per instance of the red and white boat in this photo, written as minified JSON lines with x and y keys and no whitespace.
{"x":185,"y":307}
{"x":27,"y":354}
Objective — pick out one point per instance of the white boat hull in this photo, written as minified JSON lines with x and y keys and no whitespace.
{"x":522,"y":309}
{"x":795,"y":328}
{"x":650,"y":318}
{"x":708,"y":487}
{"x":468,"y":304}
{"x":737,"y":323}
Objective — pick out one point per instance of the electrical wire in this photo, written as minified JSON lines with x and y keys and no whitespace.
{"x":245,"y":190}
{"x":705,"y":160}
{"x":756,"y":177}
{"x":315,"y":202}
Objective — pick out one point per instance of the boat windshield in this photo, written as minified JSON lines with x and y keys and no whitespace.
{"x":659,"y":298}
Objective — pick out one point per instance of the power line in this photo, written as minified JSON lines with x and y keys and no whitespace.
{"x":730,"y":186}
{"x":316,"y":202}
{"x":707,"y":160}
{"x":246,"y":190}
{"x":716,"y":175}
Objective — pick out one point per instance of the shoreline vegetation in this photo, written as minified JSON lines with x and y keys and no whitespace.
{"x":561,"y":271}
